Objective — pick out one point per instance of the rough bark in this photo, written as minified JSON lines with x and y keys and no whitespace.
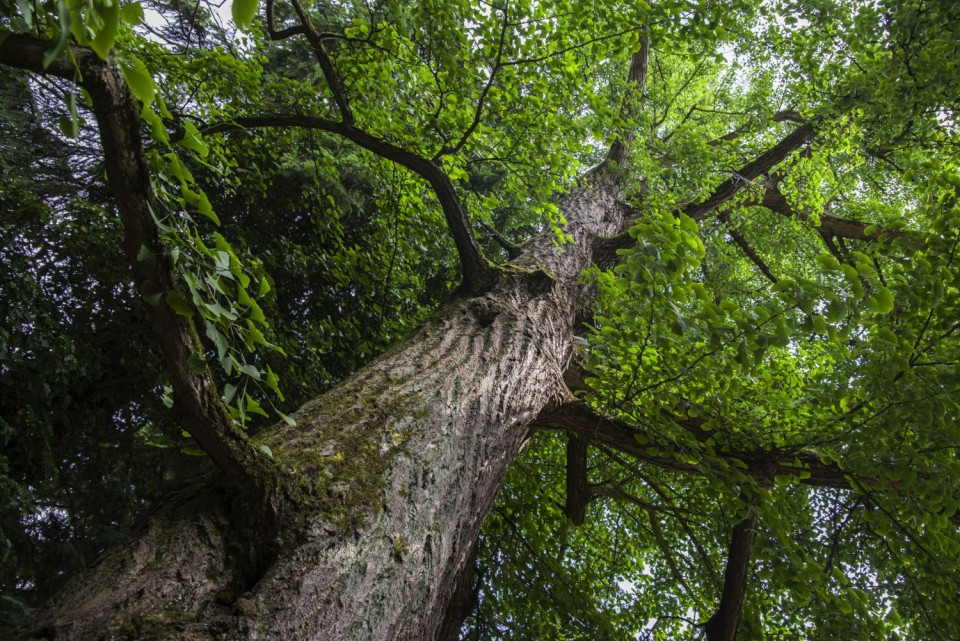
{"x":404,"y":460}
{"x":197,"y":407}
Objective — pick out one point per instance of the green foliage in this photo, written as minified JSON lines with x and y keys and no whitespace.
{"x":820,"y":330}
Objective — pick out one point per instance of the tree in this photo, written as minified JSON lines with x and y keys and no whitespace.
{"x":743,"y":313}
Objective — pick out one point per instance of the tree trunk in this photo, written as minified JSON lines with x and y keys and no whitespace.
{"x":403,"y":459}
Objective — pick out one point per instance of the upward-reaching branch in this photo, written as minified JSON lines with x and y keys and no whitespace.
{"x":722,"y":626}
{"x":197,"y":407}
{"x":478,"y":272}
{"x":751,"y":171}
{"x":637,"y":80}
{"x":323,"y":59}
{"x":605,"y":251}
{"x":447,"y":150}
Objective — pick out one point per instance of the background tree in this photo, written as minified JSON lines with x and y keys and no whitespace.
{"x":757,"y":379}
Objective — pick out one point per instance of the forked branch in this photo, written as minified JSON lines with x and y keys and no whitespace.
{"x":605,"y":250}
{"x":323,"y":59}
{"x":750,"y":172}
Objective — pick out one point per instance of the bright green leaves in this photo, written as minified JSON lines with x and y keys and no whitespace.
{"x":108,"y":15}
{"x":243,"y":12}
{"x":132,"y":13}
{"x":95,"y":24}
{"x":218,"y":285}
{"x":138,"y":79}
{"x":193,"y":141}
{"x":882,"y":303}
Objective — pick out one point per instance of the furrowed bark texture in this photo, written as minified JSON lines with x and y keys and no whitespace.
{"x":405,"y":459}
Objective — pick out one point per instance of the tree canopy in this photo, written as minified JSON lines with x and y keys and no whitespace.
{"x":762,"y":415}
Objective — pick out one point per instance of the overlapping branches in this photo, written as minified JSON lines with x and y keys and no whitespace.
{"x":578,"y":418}
{"x":478,"y":272}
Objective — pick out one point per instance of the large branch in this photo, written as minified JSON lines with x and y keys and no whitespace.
{"x":478,"y":273}
{"x":637,"y":80}
{"x":605,"y":250}
{"x":722,"y":626}
{"x":750,"y":172}
{"x":578,"y":418}
{"x":197,"y":405}
{"x":830,"y":225}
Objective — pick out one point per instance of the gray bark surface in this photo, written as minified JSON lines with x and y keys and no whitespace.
{"x":403,"y":461}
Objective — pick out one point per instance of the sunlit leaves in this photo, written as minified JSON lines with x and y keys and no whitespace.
{"x":243,"y":12}
{"x":138,"y":79}
{"x":825,"y":330}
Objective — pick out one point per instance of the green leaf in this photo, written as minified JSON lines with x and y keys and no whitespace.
{"x":63,"y":35}
{"x":138,"y":79}
{"x":243,"y":13}
{"x":69,"y":127}
{"x":196,"y":364}
{"x":264,"y":287}
{"x":193,"y":140}
{"x":25,"y":7}
{"x":132,"y":13}
{"x":157,"y":130}
{"x":179,"y":304}
{"x":884,"y":300}
{"x":103,"y":42}
{"x":150,"y":289}
{"x":253,"y":407}
{"x":250,"y":371}
{"x":219,"y":311}
{"x":219,"y":340}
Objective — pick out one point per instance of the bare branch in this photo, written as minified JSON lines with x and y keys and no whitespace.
{"x":780,"y":116}
{"x":573,"y":47}
{"x":751,"y":254}
{"x":578,"y":493}
{"x":481,"y":101}
{"x":283,"y":34}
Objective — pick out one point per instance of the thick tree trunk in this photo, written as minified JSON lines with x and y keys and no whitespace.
{"x":404,"y":458}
